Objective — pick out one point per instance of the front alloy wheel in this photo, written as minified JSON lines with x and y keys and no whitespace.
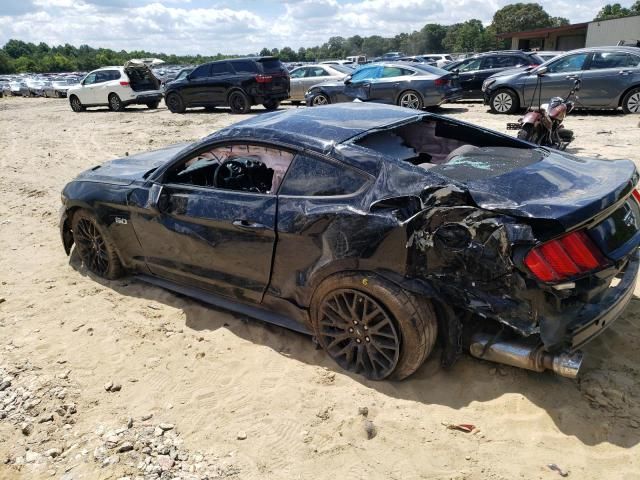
{"x":504,"y":101}
{"x":320,"y":99}
{"x":358,"y":333}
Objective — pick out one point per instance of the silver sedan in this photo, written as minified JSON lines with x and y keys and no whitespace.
{"x":305,"y":77}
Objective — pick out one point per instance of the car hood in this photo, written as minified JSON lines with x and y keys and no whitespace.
{"x":126,"y":170}
{"x":542,"y":184}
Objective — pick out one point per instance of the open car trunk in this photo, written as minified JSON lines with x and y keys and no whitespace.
{"x":141,"y":77}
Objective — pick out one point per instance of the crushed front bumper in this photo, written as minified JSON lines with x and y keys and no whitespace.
{"x":594,"y":318}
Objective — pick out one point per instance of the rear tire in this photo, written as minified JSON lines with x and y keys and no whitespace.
{"x":504,"y":101}
{"x":271,"y":106}
{"x":631,"y":101}
{"x":239,"y":102}
{"x":94,"y":246}
{"x":527,"y":132}
{"x":76,"y":104}
{"x":115,"y":104}
{"x":174,"y":103}
{"x":373,"y":327}
{"x":411,"y":99}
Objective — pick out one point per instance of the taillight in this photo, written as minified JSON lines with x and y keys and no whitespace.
{"x":636,"y":195}
{"x":441,"y":82}
{"x":263,"y":78}
{"x":124,"y":84}
{"x":565,"y":257}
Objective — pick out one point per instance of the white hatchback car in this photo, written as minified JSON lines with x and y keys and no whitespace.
{"x":116,"y":87}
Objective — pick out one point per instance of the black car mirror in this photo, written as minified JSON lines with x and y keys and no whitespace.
{"x":156,"y":200}
{"x":541,"y":71}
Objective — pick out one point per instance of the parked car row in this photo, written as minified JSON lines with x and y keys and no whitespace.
{"x":52,"y":85}
{"x":609,"y":78}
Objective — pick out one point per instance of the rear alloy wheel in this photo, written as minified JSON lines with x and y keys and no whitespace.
{"x":320,"y":99}
{"x":239,"y":102}
{"x":76,"y":104}
{"x":504,"y":101}
{"x":272,"y":105}
{"x":174,"y":103}
{"x":631,"y":101}
{"x":411,"y":100}
{"x":94,"y":247}
{"x":115,"y":103}
{"x":372,"y":327}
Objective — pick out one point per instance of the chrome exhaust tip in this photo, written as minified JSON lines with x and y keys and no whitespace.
{"x":525,"y":356}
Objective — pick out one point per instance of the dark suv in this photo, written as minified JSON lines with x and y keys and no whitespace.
{"x":238,"y":83}
{"x":475,"y":70}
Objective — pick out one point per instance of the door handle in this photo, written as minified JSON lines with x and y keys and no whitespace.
{"x":624,"y":73}
{"x":247,"y":225}
{"x":571,"y":77}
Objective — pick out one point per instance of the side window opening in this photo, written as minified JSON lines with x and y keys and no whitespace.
{"x":429,"y":143}
{"x":246,"y":168}
{"x":312,"y":177}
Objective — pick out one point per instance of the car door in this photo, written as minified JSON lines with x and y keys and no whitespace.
{"x":467,"y":78}
{"x":218,"y":83}
{"x":557,"y":81}
{"x":314,"y":76}
{"x":391,"y":82}
{"x":220,"y":239}
{"x":607,"y":76}
{"x":493,"y":64}
{"x":105,"y":85}
{"x":87,"y":94}
{"x":297,"y":83}
{"x":358,"y":86}
{"x":195,"y":89}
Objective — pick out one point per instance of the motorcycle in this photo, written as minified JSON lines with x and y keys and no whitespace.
{"x":543,"y":125}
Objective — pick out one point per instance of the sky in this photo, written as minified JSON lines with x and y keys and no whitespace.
{"x":227,"y":26}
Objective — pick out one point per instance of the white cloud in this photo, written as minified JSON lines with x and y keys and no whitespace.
{"x":196,"y":26}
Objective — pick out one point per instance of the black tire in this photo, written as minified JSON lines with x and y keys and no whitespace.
{"x":396,"y":330}
{"x":320,"y":99}
{"x":527,"y":132}
{"x":174,"y":103}
{"x":94,"y":246}
{"x":153,"y":105}
{"x":239,"y":102}
{"x":411,"y":99}
{"x":115,"y":104}
{"x":76,"y":104}
{"x":631,"y":101}
{"x":504,"y":101}
{"x":271,"y":105}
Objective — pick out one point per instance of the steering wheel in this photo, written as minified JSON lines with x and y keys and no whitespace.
{"x":229,"y":171}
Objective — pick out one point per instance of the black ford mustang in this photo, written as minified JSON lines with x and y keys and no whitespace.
{"x":377,"y":229}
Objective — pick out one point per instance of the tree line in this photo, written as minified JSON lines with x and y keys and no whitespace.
{"x":470,"y":36}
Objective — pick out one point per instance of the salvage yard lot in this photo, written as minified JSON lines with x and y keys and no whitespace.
{"x":240,"y":399}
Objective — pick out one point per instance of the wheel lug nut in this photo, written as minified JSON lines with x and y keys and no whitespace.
{"x":355,"y":322}
{"x":367,"y":339}
{"x":351,"y":330}
{"x":358,"y":340}
{"x":366,"y":328}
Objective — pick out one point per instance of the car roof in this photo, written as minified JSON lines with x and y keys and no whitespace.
{"x":317,"y":128}
{"x":622,"y":48}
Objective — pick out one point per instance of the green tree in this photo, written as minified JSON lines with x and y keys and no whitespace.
{"x":6,"y":63}
{"x":616,"y":10}
{"x":520,"y":17}
{"x":18,"y":48}
{"x":26,"y":64}
{"x":265,"y":52}
{"x":288,"y":55}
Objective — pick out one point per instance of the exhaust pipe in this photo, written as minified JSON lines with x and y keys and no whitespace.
{"x":525,"y":356}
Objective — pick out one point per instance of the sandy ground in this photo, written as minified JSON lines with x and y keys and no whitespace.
{"x":209,"y":378}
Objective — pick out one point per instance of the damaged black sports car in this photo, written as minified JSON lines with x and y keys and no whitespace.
{"x":377,"y":229}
